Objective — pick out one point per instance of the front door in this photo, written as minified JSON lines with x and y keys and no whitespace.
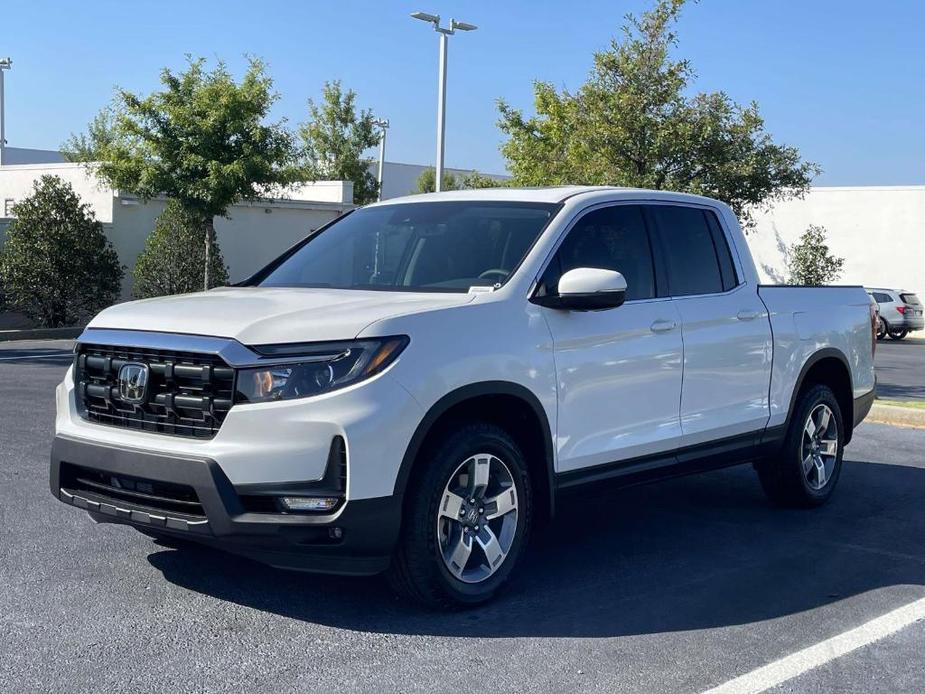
{"x":618,"y":370}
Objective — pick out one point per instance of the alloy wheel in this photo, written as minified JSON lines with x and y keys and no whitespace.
{"x":819,"y":446}
{"x":477,"y":518}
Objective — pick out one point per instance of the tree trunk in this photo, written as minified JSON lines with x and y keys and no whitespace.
{"x":210,"y":238}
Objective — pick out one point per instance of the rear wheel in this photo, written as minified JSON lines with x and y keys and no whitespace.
{"x":467,"y":520}
{"x":881,"y":329}
{"x":898,"y":334}
{"x":809,"y":464}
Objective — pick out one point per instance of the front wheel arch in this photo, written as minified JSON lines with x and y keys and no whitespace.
{"x":508,"y":405}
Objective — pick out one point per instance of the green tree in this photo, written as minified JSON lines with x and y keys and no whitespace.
{"x":90,"y":146}
{"x":476,"y":180}
{"x":427,"y":181}
{"x":173,"y":257}
{"x":810,"y":262}
{"x":335,"y":139}
{"x":57,"y":266}
{"x":633,"y":124}
{"x":202,"y":140}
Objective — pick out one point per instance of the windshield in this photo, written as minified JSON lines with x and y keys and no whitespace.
{"x":423,"y":246}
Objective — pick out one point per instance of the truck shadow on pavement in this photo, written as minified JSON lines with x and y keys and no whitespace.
{"x":692,"y":553}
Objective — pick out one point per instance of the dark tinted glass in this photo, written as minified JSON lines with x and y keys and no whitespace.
{"x":693,"y":267}
{"x":436,"y":246}
{"x":726,"y":267}
{"x":611,"y":238}
{"x":882,"y":298}
{"x":910,"y":299}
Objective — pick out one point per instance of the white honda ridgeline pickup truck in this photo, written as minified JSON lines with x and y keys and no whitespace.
{"x":413,"y":386}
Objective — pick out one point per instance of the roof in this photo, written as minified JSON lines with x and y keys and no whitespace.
{"x":553,"y":194}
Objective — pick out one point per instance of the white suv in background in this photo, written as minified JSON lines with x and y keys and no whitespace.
{"x":900,"y":312}
{"x":412,"y":387}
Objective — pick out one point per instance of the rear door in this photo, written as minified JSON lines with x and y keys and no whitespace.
{"x":618,"y":370}
{"x":724,"y":327}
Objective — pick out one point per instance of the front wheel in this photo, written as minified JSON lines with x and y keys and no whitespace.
{"x":881,"y":329}
{"x":467,"y":519}
{"x":808,"y":466}
{"x":898,"y":334}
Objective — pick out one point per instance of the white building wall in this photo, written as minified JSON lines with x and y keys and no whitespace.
{"x":251,"y":235}
{"x":879,"y":231}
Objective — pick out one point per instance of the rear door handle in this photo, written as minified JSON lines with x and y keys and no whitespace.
{"x":661,"y":326}
{"x":747,"y":315}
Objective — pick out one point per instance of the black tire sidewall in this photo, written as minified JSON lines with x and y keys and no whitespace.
{"x":441,"y":462}
{"x":812,"y":398}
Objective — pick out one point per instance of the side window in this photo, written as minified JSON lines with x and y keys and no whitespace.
{"x":727,"y":268}
{"x":883,"y":298}
{"x":611,"y":238}
{"x":693,"y":265}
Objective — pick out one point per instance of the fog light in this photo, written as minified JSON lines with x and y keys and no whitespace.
{"x":309,"y":503}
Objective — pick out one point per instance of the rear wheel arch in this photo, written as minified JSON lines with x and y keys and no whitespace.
{"x":828,"y":367}
{"x":508,"y":405}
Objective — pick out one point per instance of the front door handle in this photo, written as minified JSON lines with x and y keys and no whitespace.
{"x":747,"y":315}
{"x":661,"y":326}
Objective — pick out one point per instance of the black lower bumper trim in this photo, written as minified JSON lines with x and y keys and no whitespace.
{"x":862,"y":406}
{"x":356,"y":539}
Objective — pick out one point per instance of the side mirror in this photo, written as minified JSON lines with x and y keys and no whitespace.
{"x":587,"y":289}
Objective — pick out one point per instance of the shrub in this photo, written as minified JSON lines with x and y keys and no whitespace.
{"x":810,"y":261}
{"x":174,"y":255}
{"x":57,"y":266}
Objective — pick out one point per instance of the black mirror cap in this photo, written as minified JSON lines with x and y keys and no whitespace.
{"x":596,"y":301}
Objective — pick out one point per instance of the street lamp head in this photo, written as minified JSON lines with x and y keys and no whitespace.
{"x":381,"y":123}
{"x":6,"y":63}
{"x":462,"y":26}
{"x":425,"y":17}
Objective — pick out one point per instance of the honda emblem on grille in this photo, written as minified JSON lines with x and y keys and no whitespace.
{"x":133,"y":382}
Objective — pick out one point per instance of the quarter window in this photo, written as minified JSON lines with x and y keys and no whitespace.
{"x":690,"y":253}
{"x":610,"y":238}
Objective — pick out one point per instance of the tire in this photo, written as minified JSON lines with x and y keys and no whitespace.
{"x":898,"y":334}
{"x":792,"y":477}
{"x":422,"y":569}
{"x":881,"y":329}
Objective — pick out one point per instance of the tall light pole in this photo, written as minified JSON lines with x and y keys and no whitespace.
{"x":383,"y":125}
{"x":5,"y":64}
{"x":445,"y":33}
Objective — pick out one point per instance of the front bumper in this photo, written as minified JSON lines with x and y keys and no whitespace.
{"x":357,"y":538}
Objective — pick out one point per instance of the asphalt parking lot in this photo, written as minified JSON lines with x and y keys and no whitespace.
{"x":901,"y":369}
{"x":676,"y":587}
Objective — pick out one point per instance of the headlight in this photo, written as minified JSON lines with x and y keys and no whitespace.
{"x":315,"y":368}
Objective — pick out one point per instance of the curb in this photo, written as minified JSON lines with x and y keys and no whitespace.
{"x":896,"y":416}
{"x":39,"y":334}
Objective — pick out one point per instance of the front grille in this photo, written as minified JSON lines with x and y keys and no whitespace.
{"x":138,"y":493}
{"x":188,"y":394}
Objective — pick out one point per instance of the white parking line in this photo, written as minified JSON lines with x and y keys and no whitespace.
{"x":802,"y":661}
{"x":37,"y":356}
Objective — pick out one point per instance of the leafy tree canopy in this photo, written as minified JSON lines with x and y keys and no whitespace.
{"x":174,"y":255}
{"x":201,"y":140}
{"x":427,"y":181}
{"x":633,"y":124}
{"x":810,"y":260}
{"x":57,"y":266}
{"x":89,"y":146}
{"x":335,"y":139}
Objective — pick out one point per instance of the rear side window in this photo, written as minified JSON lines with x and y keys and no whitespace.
{"x":690,"y":252}
{"x":910,"y":299}
{"x":611,"y":238}
{"x":882,"y":298}
{"x":727,"y":268}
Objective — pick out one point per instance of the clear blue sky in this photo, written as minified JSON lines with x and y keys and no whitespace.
{"x":840,"y":79}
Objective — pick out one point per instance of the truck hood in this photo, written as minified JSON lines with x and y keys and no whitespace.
{"x":258,"y":315}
